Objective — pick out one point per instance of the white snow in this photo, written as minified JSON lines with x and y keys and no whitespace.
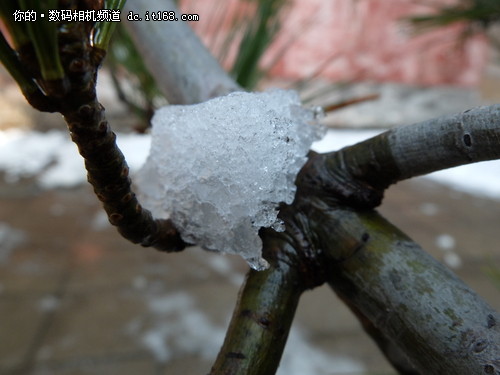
{"x":445,"y":242}
{"x":177,"y":327}
{"x":46,"y":156}
{"x":429,"y":209}
{"x":224,"y":267}
{"x":49,"y":303}
{"x":54,"y":160}
{"x":25,"y":154}
{"x":173,"y":326}
{"x":219,"y":169}
{"x":452,"y":260}
{"x":482,"y":179}
{"x":10,"y":238}
{"x":336,"y":139}
{"x":301,"y":357}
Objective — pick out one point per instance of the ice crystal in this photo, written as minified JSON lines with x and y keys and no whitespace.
{"x":219,"y":169}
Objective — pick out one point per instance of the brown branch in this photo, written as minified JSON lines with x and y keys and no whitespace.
{"x":348,"y":102}
{"x":108,"y":173}
{"x":107,"y":170}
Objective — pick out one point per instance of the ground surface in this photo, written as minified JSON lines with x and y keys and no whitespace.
{"x":75,"y":298}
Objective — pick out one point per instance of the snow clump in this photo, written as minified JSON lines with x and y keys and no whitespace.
{"x":219,"y":169}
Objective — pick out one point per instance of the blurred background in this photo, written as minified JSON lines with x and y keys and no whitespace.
{"x":76,"y":298}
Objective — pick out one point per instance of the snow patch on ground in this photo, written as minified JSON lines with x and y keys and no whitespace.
{"x":54,"y":161}
{"x":10,"y":238}
{"x":49,"y":303}
{"x":300,"y":357}
{"x":175,"y":327}
{"x":223,"y":266}
{"x":26,"y":154}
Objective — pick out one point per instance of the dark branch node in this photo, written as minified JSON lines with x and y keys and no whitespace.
{"x":489,"y":369}
{"x":264,"y":322}
{"x":127,"y":197}
{"x":467,"y":140}
{"x":354,"y":176}
{"x":78,"y":66}
{"x":115,"y":219}
{"x":479,"y":346}
{"x":235,"y":355}
{"x":490,"y":321}
{"x":86,"y":111}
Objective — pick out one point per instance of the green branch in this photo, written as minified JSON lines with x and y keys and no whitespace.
{"x":440,"y":324}
{"x":263,"y":315}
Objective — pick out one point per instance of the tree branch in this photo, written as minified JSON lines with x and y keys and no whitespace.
{"x":107,"y":172}
{"x":186,"y":72}
{"x":263,"y":315}
{"x":106,"y":167}
{"x":391,"y":351}
{"x":464,"y":138}
{"x":358,"y":175}
{"x":420,"y":306}
{"x":440,"y":324}
{"x":74,"y":96}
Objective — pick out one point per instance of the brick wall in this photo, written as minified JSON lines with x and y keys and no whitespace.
{"x":354,"y":40}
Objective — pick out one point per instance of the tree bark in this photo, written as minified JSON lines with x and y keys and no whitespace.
{"x":331,"y":232}
{"x":358,"y":175}
{"x":392,"y":352}
{"x":263,"y":315}
{"x":441,"y":325}
{"x":421,"y":309}
{"x":186,"y":72}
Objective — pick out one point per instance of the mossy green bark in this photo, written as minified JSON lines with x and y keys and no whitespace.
{"x":441,"y":325}
{"x":261,"y":321}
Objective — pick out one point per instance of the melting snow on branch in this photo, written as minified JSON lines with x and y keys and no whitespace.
{"x":219,"y":169}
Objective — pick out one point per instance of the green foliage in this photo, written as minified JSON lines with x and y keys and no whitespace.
{"x":17,"y":30}
{"x":43,"y":36}
{"x":34,"y":57}
{"x":479,"y":14}
{"x":258,"y":30}
{"x":259,"y":33}
{"x":39,"y":35}
{"x":125,"y":60}
{"x":104,"y":30}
